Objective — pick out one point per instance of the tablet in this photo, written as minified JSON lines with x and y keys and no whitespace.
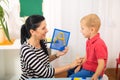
{"x":60,"y":39}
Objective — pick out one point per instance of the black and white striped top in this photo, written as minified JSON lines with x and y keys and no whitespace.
{"x":34,"y":63}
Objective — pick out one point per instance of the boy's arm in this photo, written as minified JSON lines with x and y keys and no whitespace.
{"x":99,"y":69}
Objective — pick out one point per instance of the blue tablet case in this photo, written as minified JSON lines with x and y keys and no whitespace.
{"x":60,"y":39}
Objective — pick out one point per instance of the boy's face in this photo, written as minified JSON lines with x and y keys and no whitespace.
{"x":86,"y":31}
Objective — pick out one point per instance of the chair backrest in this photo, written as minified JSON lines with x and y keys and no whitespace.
{"x":119,"y":55}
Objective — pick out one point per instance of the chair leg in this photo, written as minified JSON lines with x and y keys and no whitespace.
{"x":117,"y":69}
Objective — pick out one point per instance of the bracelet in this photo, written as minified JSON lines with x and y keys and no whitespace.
{"x":56,"y":56}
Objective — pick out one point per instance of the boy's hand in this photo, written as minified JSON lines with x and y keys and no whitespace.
{"x":94,"y":77}
{"x":77,"y":69}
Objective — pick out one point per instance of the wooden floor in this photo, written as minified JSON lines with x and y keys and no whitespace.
{"x":109,"y":72}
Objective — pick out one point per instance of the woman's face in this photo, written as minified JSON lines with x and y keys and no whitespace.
{"x":40,"y":32}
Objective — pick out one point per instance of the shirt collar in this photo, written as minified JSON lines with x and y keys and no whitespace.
{"x":92,"y":40}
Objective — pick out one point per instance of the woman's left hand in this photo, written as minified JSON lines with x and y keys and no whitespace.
{"x":61,"y":53}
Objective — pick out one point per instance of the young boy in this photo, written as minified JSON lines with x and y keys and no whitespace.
{"x":94,"y":63}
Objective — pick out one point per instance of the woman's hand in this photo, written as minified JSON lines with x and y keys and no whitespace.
{"x":75,"y":63}
{"x":61,"y":53}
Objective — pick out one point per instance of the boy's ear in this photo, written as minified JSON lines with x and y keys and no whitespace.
{"x":93,"y":29}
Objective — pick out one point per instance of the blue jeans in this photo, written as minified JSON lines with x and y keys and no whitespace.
{"x":82,"y":73}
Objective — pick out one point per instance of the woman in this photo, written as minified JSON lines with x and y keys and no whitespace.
{"x":35,"y":60}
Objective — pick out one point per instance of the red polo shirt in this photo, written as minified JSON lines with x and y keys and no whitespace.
{"x":95,"y":49}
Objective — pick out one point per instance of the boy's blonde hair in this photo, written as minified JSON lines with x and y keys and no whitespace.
{"x":92,"y":20}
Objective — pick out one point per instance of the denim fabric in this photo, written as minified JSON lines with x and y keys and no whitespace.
{"x":82,"y":73}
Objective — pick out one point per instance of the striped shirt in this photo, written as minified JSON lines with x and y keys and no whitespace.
{"x":34,"y":63}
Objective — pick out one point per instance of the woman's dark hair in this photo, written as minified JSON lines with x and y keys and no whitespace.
{"x":32,"y":22}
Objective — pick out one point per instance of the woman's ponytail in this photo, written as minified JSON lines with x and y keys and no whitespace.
{"x":44,"y":47}
{"x":24,"y":34}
